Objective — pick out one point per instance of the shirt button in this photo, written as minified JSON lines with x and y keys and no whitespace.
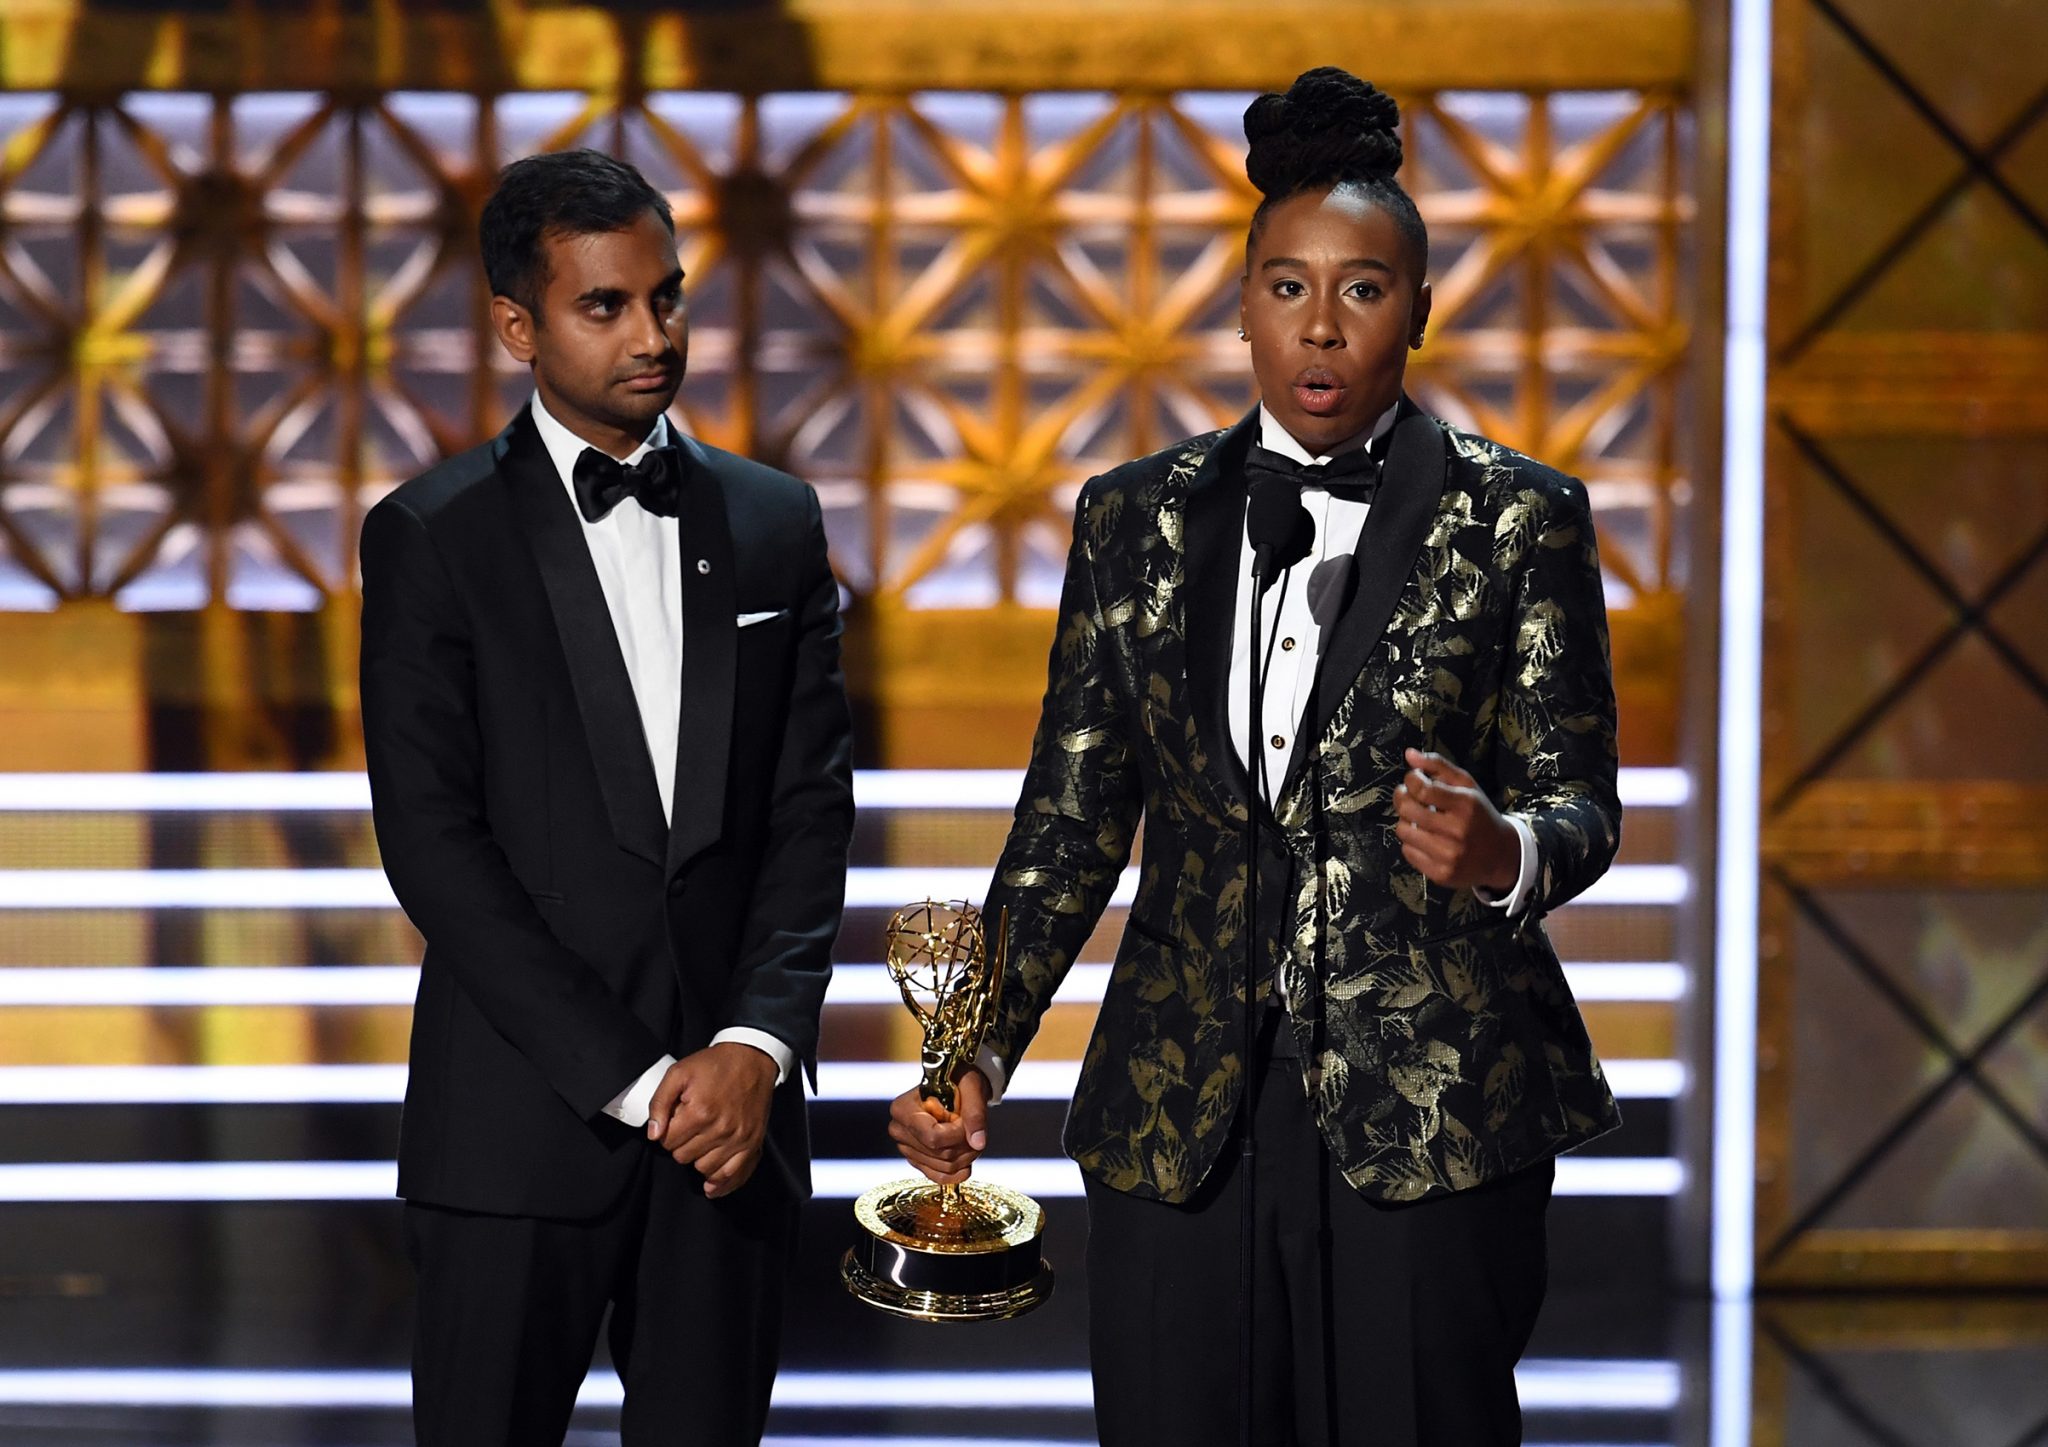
{"x":1287,"y":645}
{"x":1278,"y":742}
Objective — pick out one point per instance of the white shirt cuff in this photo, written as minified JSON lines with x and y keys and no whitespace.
{"x":761,"y":1040}
{"x":991,"y":1066}
{"x":630,"y":1105}
{"x":1525,"y":881}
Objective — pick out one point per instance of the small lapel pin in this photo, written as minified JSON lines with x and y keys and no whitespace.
{"x":703,"y":565}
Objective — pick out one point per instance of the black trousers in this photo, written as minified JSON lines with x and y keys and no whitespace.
{"x":1394,"y":1326}
{"x":509,"y":1309}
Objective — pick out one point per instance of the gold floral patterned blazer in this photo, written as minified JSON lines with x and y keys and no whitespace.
{"x":1446,"y":1045}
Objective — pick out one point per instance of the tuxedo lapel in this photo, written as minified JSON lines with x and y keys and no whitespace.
{"x":1214,"y":529}
{"x":1410,"y":491}
{"x":597,"y":669}
{"x":710,"y":647}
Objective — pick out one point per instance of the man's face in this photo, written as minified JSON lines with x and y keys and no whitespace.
{"x":611,"y":337}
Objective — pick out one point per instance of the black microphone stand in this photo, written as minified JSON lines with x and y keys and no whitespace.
{"x":1270,"y":530}
{"x":1247,"y":1240}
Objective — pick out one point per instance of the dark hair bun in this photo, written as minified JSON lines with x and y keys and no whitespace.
{"x":1330,"y":127}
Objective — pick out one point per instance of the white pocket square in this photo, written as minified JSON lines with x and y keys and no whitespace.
{"x":748,"y":620}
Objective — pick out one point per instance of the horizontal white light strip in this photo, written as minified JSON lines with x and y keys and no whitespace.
{"x":867,"y":887}
{"x":871,"y":985}
{"x":937,"y":788}
{"x":1645,"y":1079}
{"x":209,"y":985}
{"x":1654,"y":788}
{"x":195,"y":889}
{"x":350,"y":792}
{"x":127,"y":1181}
{"x":1048,"y":1178}
{"x":1084,"y":984}
{"x":1544,"y":1385}
{"x":773,"y":1440}
{"x":893,"y":886}
{"x":878,"y":1080}
{"x":183,"y":793}
{"x":204,"y":1387}
{"x":1627,"y":982}
{"x":1055,"y":1177}
{"x":204,"y":1084}
{"x":1639,"y":884}
{"x":1562,"y":1385}
{"x":980,"y":1391}
{"x":1620,"y":1176}
{"x":838,"y":1080}
{"x":397,"y":984}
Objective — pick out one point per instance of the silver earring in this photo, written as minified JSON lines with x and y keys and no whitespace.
{"x":1240,"y":334}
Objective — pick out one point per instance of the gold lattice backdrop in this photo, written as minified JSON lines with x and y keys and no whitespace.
{"x":1903,"y":1096}
{"x":228,"y":324}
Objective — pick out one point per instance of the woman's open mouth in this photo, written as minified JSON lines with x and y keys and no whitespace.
{"x":1318,"y":392}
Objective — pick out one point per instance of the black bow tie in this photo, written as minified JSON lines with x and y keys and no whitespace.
{"x":1354,"y":475}
{"x":602,"y":482}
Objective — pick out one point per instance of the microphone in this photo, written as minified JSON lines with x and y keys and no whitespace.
{"x":1278,"y":527}
{"x":1329,"y":590}
{"x":1281,"y":533}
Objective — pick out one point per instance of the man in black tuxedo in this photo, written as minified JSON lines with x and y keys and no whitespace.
{"x":609,"y":755}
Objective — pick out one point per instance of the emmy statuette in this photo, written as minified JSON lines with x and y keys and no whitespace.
{"x":947,"y":1253}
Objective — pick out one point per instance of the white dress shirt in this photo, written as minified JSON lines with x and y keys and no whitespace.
{"x":638,"y":556}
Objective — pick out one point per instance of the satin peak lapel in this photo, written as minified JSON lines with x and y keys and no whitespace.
{"x":1214,"y":532}
{"x":1410,"y":491}
{"x":597,"y":669}
{"x":710,"y":650}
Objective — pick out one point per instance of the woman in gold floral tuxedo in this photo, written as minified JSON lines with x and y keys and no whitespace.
{"x":1435,"y":766}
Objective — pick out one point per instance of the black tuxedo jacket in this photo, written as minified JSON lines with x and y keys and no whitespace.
{"x":573,"y":937}
{"x":1450,"y":1050}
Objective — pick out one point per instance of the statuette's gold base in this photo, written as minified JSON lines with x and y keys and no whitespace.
{"x":948,"y":1253}
{"x":939,"y":1306}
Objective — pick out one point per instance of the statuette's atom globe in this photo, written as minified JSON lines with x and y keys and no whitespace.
{"x":935,"y":951}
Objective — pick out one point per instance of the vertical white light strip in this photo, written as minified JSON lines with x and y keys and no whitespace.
{"x":1729,"y":1410}
{"x":1742,"y":599}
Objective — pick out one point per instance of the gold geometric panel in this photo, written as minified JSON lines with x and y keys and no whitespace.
{"x":1893,"y":145}
{"x":1866,"y":181}
{"x":1903,"y":1017}
{"x":1900,"y":662}
{"x":2026,"y":166}
{"x":1982,"y":58}
{"x":1977,"y":265}
{"x":1923,"y":1370}
{"x":1894,"y":990}
{"x":1561,"y":258}
{"x":2018,"y":616}
{"x":1911,"y":1105}
{"x":230,"y":323}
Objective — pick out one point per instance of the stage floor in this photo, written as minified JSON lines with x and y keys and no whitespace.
{"x":287,"y":1324}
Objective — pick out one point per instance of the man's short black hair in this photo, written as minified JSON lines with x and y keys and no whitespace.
{"x":557,"y":193}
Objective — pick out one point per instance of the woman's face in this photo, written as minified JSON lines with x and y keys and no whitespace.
{"x":1331,"y":302}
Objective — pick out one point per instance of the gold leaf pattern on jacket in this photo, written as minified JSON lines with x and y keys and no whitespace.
{"x":1448,"y":1048}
